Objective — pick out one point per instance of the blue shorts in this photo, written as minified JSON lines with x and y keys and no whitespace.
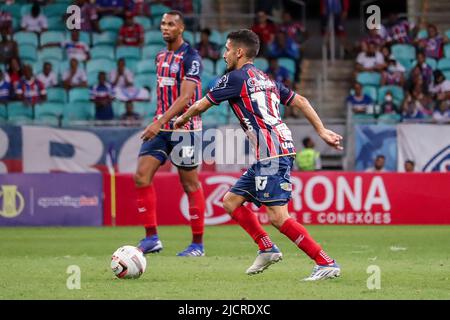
{"x":266,"y":182}
{"x":183,"y":148}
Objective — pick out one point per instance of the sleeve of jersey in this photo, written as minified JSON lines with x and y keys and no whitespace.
{"x":193,"y":68}
{"x":228,"y":87}
{"x":286,"y":94}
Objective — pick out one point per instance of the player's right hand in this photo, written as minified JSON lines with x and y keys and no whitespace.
{"x":151,"y":131}
{"x":179,"y":123}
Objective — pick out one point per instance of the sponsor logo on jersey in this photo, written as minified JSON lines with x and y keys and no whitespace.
{"x":286,"y":186}
{"x":174,"y":68}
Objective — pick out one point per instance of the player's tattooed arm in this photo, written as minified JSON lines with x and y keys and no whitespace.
{"x":187,"y":90}
{"x":331,"y":138}
{"x":197,"y":108}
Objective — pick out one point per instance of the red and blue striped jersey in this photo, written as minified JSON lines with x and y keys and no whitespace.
{"x":255,"y":100}
{"x":172,"y":68}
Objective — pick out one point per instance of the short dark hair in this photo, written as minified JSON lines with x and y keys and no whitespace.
{"x":410,"y":162}
{"x":177,"y":13}
{"x":206,"y":31}
{"x":380,"y":156}
{"x":305,"y":141}
{"x":247,"y":39}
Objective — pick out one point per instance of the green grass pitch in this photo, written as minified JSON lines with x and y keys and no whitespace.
{"x":414,"y":262}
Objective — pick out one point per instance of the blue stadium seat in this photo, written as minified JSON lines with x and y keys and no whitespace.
{"x":217,"y":115}
{"x":288,"y":64}
{"x":28,"y":52}
{"x":49,"y":112}
{"x":79,"y":95}
{"x":25,"y":9}
{"x":14,"y":9}
{"x":422,"y":34}
{"x":447,"y":33}
{"x":144,"y":108}
{"x":96,"y":65}
{"x":262,"y":64}
{"x":447,"y":75}
{"x":154,"y":37}
{"x":158,"y":10}
{"x":447,"y":50}
{"x":430,"y":61}
{"x":85,"y":37}
{"x":156,"y":22}
{"x":363,"y":118}
{"x":54,"y":10}
{"x":52,"y":53}
{"x":104,"y":38}
{"x":52,"y":37}
{"x":131,"y":64}
{"x":444,"y":64}
{"x":221,"y":66}
{"x":24,"y":37}
{"x":406,"y":63}
{"x":56,"y":24}
{"x":3,"y":113}
{"x":118,"y":108}
{"x":403,"y":51}
{"x":128,"y":52}
{"x":389,"y":118}
{"x":110,"y":23}
{"x":58,"y":95}
{"x":372,"y":92}
{"x":208,"y":66}
{"x":19,"y":113}
{"x":103,"y":52}
{"x":369,"y":78}
{"x":146,"y":66}
{"x":151,"y":51}
{"x":92,"y":78}
{"x":145,"y":80}
{"x":145,"y":22}
{"x":76,"y":111}
{"x":397,"y":93}
{"x":189,"y":37}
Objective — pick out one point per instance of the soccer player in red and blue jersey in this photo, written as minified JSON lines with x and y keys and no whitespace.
{"x":255,"y":99}
{"x":178,"y":69}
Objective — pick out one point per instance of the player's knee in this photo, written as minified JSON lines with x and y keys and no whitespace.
{"x":276,"y":221}
{"x":140,"y":179}
{"x":228,"y":204}
{"x":190,"y":186}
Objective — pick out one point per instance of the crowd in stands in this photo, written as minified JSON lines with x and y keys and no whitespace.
{"x":402,"y":73}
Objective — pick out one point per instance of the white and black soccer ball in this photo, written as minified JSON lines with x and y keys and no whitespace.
{"x":128,"y":262}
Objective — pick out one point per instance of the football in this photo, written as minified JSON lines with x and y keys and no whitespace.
{"x":128,"y":262}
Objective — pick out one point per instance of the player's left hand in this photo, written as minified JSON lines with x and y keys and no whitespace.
{"x":331,"y":138}
{"x":180,"y":122}
{"x":151,"y":131}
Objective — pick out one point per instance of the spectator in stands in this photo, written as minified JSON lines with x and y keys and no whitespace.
{"x":400,"y":30}
{"x":130,"y":114}
{"x":278,"y":73}
{"x":131,"y":33}
{"x":339,"y":10}
{"x":35,"y":21}
{"x":433,"y":45}
{"x":265,"y":30}
{"x":206,"y":48}
{"x":370,"y":61}
{"x":442,"y":112}
{"x":5,"y":88}
{"x":8,"y":47}
{"x":75,"y":76}
{"x":122,"y":81}
{"x":424,"y":69}
{"x":184,"y":6}
{"x":138,"y":8}
{"x":378,"y":165}
{"x":409,"y":166}
{"x":14,"y":72}
{"x":412,"y":108}
{"x":5,"y":20}
{"x":425,"y":100}
{"x":308,"y":159}
{"x":74,"y":48}
{"x":110,"y":7}
{"x":393,"y":75}
{"x":358,"y":102}
{"x":388,"y":106}
{"x":386,"y":52}
{"x":293,"y":29}
{"x":374,"y":36}
{"x":89,"y":16}
{"x":102,"y":95}
{"x":284,"y":47}
{"x":30,"y":90}
{"x":440,"y":89}
{"x":47,"y":77}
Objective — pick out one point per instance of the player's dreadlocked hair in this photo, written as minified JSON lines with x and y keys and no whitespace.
{"x":247,"y":39}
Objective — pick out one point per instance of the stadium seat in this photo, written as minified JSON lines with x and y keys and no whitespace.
{"x":24,"y":37}
{"x":118,"y":108}
{"x":131,"y":64}
{"x":403,"y":51}
{"x":189,"y":37}
{"x":397,"y":93}
{"x":406,"y":63}
{"x":142,"y":107}
{"x":447,"y":50}
{"x":372,"y":92}
{"x":28,"y":52}
{"x":92,"y":78}
{"x":444,"y":64}
{"x":145,"y":80}
{"x":56,"y":24}
{"x":208,"y":66}
{"x":363,"y":118}
{"x":85,"y":37}
{"x":151,"y":51}
{"x":51,"y":37}
{"x":158,"y":10}
{"x":79,"y":95}
{"x":145,"y":66}
{"x":389,"y":118}
{"x":58,"y":95}
{"x":262,"y":64}
{"x":430,"y":61}
{"x":154,"y":37}
{"x":103,"y":52}
{"x":14,"y":9}
{"x":215,"y":116}
{"x":19,"y":113}
{"x":104,"y":38}
{"x":156,"y":22}
{"x":49,"y":112}
{"x":221,"y":66}
{"x":288,"y":64}
{"x":447,"y":75}
{"x":25,"y":9}
{"x":447,"y":33}
{"x":54,"y":10}
{"x":422,"y":34}
{"x":369,"y":78}
{"x":128,"y":52}
{"x":110,"y":23}
{"x":96,"y":65}
{"x":145,"y":22}
{"x":3,"y":113}
{"x":76,"y":111}
{"x":52,"y":53}
{"x":56,"y":66}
